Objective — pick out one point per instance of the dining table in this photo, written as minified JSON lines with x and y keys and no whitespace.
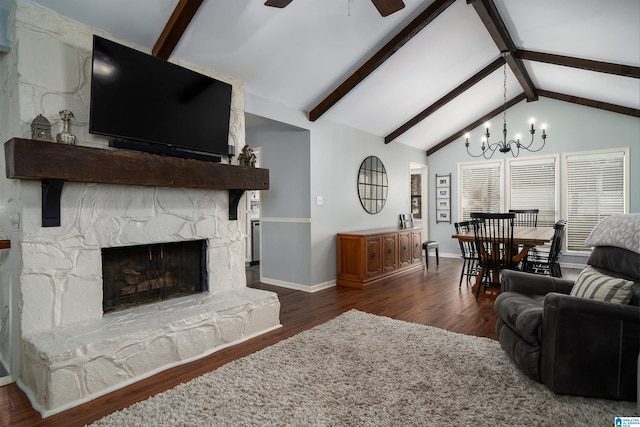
{"x":524,"y":238}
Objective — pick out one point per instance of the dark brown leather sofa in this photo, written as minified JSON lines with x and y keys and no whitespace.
{"x":572,"y":344}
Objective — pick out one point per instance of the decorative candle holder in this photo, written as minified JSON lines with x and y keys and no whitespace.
{"x":65,"y":136}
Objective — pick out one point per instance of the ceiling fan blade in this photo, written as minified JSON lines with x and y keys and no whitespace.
{"x":277,"y":3}
{"x":387,"y":7}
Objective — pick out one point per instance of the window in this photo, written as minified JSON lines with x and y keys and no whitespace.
{"x":533,"y":183}
{"x":596,"y":187}
{"x":480,"y":188}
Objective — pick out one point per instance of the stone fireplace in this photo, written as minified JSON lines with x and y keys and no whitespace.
{"x":65,"y":348}
{"x":73,"y":350}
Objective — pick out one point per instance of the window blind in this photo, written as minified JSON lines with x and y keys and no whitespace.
{"x":533,"y":185}
{"x":595,"y":190}
{"x":480,"y":188}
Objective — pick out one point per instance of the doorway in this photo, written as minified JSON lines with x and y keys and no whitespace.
{"x":418,"y":196}
{"x":254,"y":213}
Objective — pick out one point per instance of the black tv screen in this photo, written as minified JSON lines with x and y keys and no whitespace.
{"x":138,"y":97}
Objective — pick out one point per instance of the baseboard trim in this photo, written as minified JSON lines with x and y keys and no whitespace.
{"x":297,"y":286}
{"x":7,"y":379}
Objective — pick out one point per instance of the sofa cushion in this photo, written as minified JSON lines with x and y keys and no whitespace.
{"x":523,"y":354}
{"x":598,"y":286}
{"x":523,"y":314}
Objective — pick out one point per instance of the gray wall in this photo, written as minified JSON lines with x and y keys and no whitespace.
{"x":336,"y":152}
{"x":285,"y":216}
{"x":571,"y":128}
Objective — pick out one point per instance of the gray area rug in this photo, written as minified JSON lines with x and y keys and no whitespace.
{"x":364,"y":370}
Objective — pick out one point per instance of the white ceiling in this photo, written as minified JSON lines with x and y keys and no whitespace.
{"x":298,"y":55}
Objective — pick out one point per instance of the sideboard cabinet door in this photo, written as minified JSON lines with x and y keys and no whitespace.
{"x":373,"y":254}
{"x":416,"y":239}
{"x":404,"y":248}
{"x":390,"y":252}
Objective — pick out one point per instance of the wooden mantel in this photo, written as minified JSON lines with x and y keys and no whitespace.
{"x":55,"y":164}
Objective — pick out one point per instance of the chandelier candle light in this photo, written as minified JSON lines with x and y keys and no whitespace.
{"x":506,"y":145}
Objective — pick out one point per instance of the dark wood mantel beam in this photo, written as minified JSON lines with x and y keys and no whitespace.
{"x":406,"y":34}
{"x":175,"y":28}
{"x":583,"y":64}
{"x":445,"y":99}
{"x":488,"y":13}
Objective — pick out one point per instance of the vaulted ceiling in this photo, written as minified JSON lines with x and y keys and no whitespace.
{"x":420,"y":76}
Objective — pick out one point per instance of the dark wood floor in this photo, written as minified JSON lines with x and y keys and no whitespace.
{"x":431,"y":298}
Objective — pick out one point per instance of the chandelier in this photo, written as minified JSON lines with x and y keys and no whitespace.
{"x":506,"y":145}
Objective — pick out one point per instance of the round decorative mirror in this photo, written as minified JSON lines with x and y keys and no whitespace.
{"x":372,"y":184}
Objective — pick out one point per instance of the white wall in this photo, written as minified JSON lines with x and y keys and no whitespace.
{"x":571,"y":128}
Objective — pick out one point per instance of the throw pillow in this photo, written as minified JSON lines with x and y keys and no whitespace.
{"x":595,"y":285}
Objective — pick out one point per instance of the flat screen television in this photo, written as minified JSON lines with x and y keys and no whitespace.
{"x":148,"y":103}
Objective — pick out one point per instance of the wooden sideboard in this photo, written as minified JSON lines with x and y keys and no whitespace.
{"x":371,"y":256}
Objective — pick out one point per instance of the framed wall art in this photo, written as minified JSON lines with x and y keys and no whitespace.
{"x":443,"y":198}
{"x":443,"y":216}
{"x":443,"y":181}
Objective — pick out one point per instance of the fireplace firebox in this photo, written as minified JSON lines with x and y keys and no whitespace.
{"x":144,"y":274}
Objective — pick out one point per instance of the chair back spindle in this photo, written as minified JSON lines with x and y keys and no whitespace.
{"x":525,"y":217}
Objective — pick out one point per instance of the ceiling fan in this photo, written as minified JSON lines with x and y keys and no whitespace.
{"x":385,"y":7}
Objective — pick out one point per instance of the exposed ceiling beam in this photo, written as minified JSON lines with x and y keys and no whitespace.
{"x":547,"y":94}
{"x":176,"y":26}
{"x":445,"y":99}
{"x":490,"y":17}
{"x":277,"y":3}
{"x":387,"y":7}
{"x":584,"y":64}
{"x":591,"y":103}
{"x":477,"y":123}
{"x":406,"y":34}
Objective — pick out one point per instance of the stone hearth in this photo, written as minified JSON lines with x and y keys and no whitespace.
{"x":66,"y":366}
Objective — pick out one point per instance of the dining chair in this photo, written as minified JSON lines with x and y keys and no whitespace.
{"x":526,"y":217}
{"x":468,"y":252}
{"x":547,"y":262}
{"x":493,"y":233}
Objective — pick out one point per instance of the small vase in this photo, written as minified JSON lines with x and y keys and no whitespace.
{"x":65,"y":136}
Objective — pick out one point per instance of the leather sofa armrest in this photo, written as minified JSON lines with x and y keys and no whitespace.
{"x":533,"y":284}
{"x":590,"y":347}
